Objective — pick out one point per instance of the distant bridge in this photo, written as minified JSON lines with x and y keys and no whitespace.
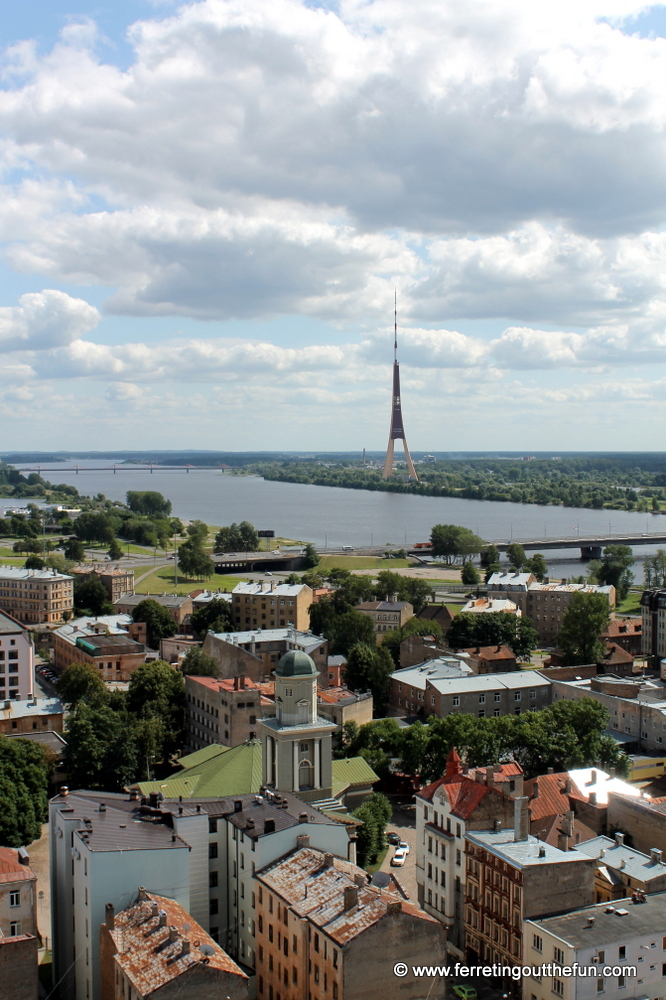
{"x":591,"y":547}
{"x":121,"y":467}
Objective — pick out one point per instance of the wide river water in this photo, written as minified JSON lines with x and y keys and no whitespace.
{"x":331,"y":517}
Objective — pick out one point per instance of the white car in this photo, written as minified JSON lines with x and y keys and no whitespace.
{"x":402,"y":846}
{"x":398,"y":859}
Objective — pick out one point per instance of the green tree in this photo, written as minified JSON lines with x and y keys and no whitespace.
{"x":375,"y":812}
{"x":148,"y":502}
{"x":241,"y":537}
{"x":654,"y":569}
{"x":90,"y":596}
{"x":614,"y":569}
{"x":417,"y":592}
{"x":470,"y":575}
{"x":312,"y":557}
{"x":34,"y":562}
{"x":415,"y":626}
{"x":24,"y":774}
{"x":160,"y":624}
{"x":75,"y":550}
{"x":537,"y":566}
{"x":497,"y":628}
{"x":156,"y":690}
{"x":215,"y":616}
{"x":582,"y":624}
{"x":369,"y":668}
{"x":115,"y":551}
{"x":80,"y":681}
{"x":347,"y":629}
{"x":454,"y":543}
{"x":199,"y":664}
{"x":94,"y":526}
{"x":516,"y":555}
{"x":102,"y":748}
{"x":192,"y":558}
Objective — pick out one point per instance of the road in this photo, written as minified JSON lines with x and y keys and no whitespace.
{"x":403,"y":821}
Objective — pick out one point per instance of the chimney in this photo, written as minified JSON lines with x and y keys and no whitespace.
{"x":619,"y":840}
{"x":236,"y":684}
{"x":351,"y":897}
{"x":655,"y":856}
{"x":154,"y":909}
{"x":593,"y":777}
{"x":162,"y":920}
{"x":269,"y":826}
{"x":110,"y":916}
{"x":568,"y":786}
{"x":394,"y":906}
{"x":535,"y":790}
{"x":562,"y":842}
{"x":142,"y":893}
{"x":328,"y":860}
{"x":185,"y":946}
{"x":542,"y":851}
{"x":241,"y":683}
{"x":521,"y":818}
{"x":303,"y":840}
{"x":134,"y":794}
{"x":302,"y":817}
{"x":360,"y":880}
{"x":592,"y":798}
{"x":568,"y":823}
{"x":64,"y":791}
{"x":238,"y":805}
{"x":480,"y":777}
{"x":249,"y":824}
{"x":517,"y":782}
{"x":173,"y":934}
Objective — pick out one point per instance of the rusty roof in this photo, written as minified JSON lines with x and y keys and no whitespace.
{"x":623,"y":626}
{"x":225,"y":683}
{"x":315,"y":891}
{"x":11,"y":869}
{"x":465,"y":793}
{"x":491,"y":652}
{"x":147,"y":956}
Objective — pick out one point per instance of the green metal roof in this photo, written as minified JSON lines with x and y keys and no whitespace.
{"x":351,"y":771}
{"x":213,"y":772}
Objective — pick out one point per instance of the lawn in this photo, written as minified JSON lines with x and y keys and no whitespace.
{"x":360,"y":562}
{"x":163,"y":580}
{"x":631,"y":605}
{"x":371,"y":869}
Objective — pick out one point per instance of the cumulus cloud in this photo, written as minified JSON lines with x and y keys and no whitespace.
{"x":45,"y":320}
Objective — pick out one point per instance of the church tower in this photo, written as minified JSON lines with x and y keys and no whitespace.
{"x":296,"y":742}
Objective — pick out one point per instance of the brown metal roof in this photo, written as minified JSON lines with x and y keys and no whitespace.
{"x":11,"y":869}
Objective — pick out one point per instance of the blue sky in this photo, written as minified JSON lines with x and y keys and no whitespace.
{"x":206,"y":209}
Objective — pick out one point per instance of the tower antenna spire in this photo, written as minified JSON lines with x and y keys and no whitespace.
{"x":397,"y":431}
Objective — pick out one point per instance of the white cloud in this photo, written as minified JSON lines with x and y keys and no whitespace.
{"x":45,"y":320}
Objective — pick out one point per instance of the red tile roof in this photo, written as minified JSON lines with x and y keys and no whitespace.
{"x":548,"y":809}
{"x":224,"y":683}
{"x":623,"y":626}
{"x":491,"y":652}
{"x":11,"y":869}
{"x":464,"y":792}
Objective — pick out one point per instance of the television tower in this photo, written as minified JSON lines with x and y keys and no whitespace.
{"x":397,"y":428}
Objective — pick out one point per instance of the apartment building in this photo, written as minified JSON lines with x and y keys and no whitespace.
{"x":625,"y":632}
{"x":98,"y":854}
{"x":511,"y":586}
{"x":547,"y":603}
{"x":116,"y":581}
{"x":103,"y":642}
{"x":408,"y":684}
{"x":626,"y":935}
{"x":489,"y":695}
{"x":223,"y":711}
{"x":36,"y":596}
{"x":491,"y":659}
{"x":445,"y":811}
{"x":18,"y":926}
{"x":179,"y":606}
{"x":621,"y":869}
{"x":30,"y":716}
{"x":490,"y":606}
{"x":643,"y":820}
{"x":255,"y":654}
{"x":637,"y":707}
{"x":386,"y":616}
{"x":512,"y":877}
{"x":17,"y":659}
{"x":324,"y":933}
{"x":153,"y":948}
{"x":271,"y":605}
{"x":341,"y":705}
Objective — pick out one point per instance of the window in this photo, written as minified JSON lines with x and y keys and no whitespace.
{"x":15,"y":898}
{"x":516,"y":695}
{"x":15,"y":928}
{"x":212,"y":880}
{"x":537,"y":942}
{"x":622,"y":952}
{"x":558,"y":956}
{"x":212,"y":826}
{"x":212,"y":850}
{"x":482,"y":699}
{"x":498,"y":696}
{"x":456,"y":700}
{"x":558,"y":987}
{"x":621,"y":982}
{"x":601,"y":955}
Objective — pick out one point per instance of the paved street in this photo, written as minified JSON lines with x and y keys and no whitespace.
{"x":404,"y":823}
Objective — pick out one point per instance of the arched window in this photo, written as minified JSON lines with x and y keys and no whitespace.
{"x":305,"y":775}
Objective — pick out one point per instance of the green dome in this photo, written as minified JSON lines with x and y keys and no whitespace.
{"x":295,"y":663}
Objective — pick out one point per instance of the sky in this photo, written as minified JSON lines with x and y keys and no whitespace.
{"x":206,"y":210}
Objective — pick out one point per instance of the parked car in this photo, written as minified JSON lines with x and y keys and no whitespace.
{"x":398,"y":859}
{"x":402,"y":846}
{"x":393,"y":838}
{"x":465,"y":992}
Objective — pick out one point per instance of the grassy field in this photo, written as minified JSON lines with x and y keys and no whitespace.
{"x":631,"y":604}
{"x":162,"y":581}
{"x":360,"y":562}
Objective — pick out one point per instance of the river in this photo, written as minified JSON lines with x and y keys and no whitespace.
{"x":331,"y":517}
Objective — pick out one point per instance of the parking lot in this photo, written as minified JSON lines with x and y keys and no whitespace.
{"x":403,"y":821}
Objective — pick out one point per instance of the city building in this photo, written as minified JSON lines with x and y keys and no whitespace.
{"x":491,"y":659}
{"x":32,"y":715}
{"x":653,"y":625}
{"x":408,"y":684}
{"x":36,"y":596}
{"x":335,"y":670}
{"x":296,"y":742}
{"x":103,"y":642}
{"x":117,"y":582}
{"x":445,"y":811}
{"x":511,"y":586}
{"x":488,"y":695}
{"x":154,"y":949}
{"x":621,"y":869}
{"x":643,"y":820}
{"x":625,"y":632}
{"x":17,"y":659}
{"x":221,"y":710}
{"x":255,"y":654}
{"x":417,"y":649}
{"x":490,"y":606}
{"x":179,"y":606}
{"x":629,"y":934}
{"x":547,"y":603}
{"x":438,"y":613}
{"x":571,"y":807}
{"x":615,"y":660}
{"x":324,"y":932}
{"x":386,"y":616}
{"x":637,"y":706}
{"x":202,"y":598}
{"x":341,"y":705}
{"x":98,"y":855}
{"x":18,"y":926}
{"x":215,"y":771}
{"x":271,"y":605}
{"x":512,"y":877}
